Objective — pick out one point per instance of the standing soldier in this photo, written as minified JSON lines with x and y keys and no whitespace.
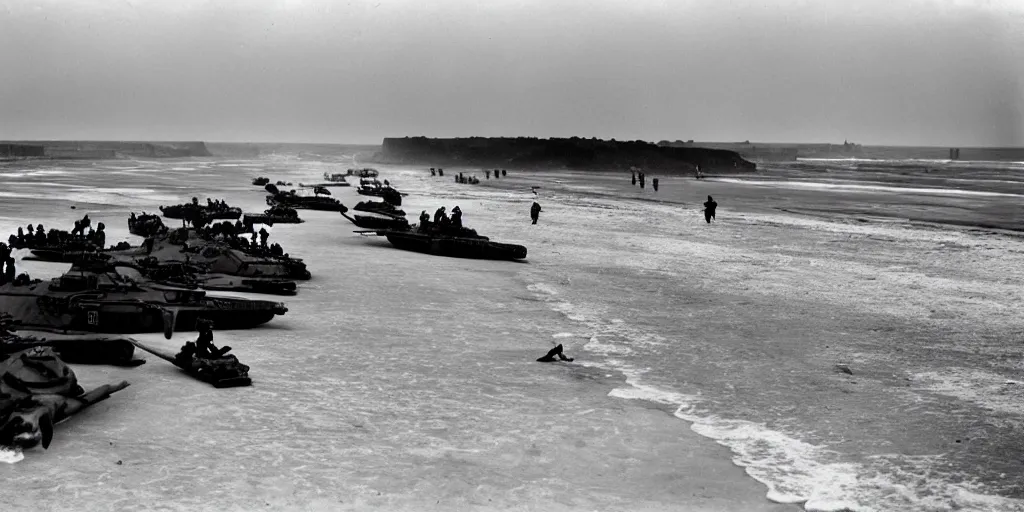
{"x":535,"y":211}
{"x":709,"y":209}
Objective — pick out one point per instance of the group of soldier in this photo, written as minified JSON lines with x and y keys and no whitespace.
{"x":642,"y":178}
{"x":441,"y":220}
{"x":472,"y":180}
{"x":229,"y":233}
{"x":709,"y":206}
{"x":38,"y":236}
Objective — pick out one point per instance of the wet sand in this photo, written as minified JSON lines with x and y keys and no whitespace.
{"x":404,"y":381}
{"x":396,"y":381}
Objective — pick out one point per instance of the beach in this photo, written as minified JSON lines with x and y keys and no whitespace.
{"x":706,"y":354}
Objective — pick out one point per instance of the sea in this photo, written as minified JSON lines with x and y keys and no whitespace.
{"x":846,"y":334}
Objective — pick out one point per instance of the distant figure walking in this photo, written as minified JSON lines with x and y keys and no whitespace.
{"x":709,"y":209}
{"x":634,"y":178}
{"x":535,"y":211}
{"x":655,"y":183}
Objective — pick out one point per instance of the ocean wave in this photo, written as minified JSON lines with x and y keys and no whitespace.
{"x":897,"y":161}
{"x":36,"y":172}
{"x":843,"y":187}
{"x":989,"y":390}
{"x":793,"y":470}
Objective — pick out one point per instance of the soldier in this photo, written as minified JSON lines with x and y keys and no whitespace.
{"x":424,"y":221}
{"x":100,"y":237}
{"x":205,"y":349}
{"x":264,"y":235}
{"x":457,"y":217}
{"x":535,"y":211}
{"x":709,"y":209}
{"x":487,"y":174}
{"x":440,"y":217}
{"x":550,"y":356}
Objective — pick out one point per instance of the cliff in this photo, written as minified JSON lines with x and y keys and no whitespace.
{"x":572,"y":153}
{"x":20,"y":150}
{"x":94,"y":150}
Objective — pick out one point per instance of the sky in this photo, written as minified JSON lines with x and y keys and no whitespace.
{"x":902,"y":72}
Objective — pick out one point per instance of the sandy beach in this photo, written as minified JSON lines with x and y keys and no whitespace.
{"x":705,"y":374}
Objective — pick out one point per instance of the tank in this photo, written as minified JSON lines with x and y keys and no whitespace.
{"x":94,"y":297}
{"x":145,"y":225}
{"x":292,"y":200}
{"x":380,"y":207}
{"x":189,"y":211}
{"x":39,"y":391}
{"x":73,"y":348}
{"x":190,"y":276}
{"x":260,"y":181}
{"x":364,"y":173}
{"x":273,"y":215}
{"x":336,"y":179}
{"x":388,"y":194}
{"x":211,"y":256}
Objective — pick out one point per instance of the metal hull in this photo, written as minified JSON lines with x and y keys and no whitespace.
{"x":378,"y":207}
{"x":270,"y":220}
{"x":307,"y":203}
{"x":131,"y":312}
{"x":455,"y":247}
{"x":183,"y":212}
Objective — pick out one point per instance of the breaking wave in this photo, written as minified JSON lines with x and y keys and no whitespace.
{"x":849,"y":187}
{"x":794,"y":471}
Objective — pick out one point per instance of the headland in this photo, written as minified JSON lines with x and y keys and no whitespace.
{"x":555,"y":153}
{"x":101,"y":150}
{"x":792,"y":151}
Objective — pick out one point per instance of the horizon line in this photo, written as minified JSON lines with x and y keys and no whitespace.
{"x":695,"y":142}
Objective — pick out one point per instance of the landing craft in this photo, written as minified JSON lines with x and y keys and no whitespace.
{"x":293,"y":200}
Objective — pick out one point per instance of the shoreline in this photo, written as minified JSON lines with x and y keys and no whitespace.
{"x":415,"y":387}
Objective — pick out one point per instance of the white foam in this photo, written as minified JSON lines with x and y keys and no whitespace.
{"x":849,"y":187}
{"x":11,"y":455}
{"x":563,"y":335}
{"x":985,"y":389}
{"x":794,"y":471}
{"x":596,"y":346}
{"x":798,"y":472}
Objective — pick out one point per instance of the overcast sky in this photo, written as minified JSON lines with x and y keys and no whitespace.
{"x":932,"y":72}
